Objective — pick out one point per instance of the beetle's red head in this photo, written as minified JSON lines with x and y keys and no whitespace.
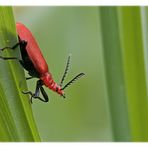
{"x":49,"y":82}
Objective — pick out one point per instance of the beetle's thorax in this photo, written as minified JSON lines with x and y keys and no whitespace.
{"x":49,"y":82}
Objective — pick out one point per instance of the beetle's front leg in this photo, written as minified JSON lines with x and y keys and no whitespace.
{"x":44,"y":94}
{"x":30,"y":93}
{"x":37,"y":92}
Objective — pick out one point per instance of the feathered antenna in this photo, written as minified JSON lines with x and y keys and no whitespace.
{"x":66,"y":70}
{"x":73,"y":80}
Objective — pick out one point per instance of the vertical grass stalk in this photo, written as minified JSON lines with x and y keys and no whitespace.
{"x":16,"y":118}
{"x":112,"y":51}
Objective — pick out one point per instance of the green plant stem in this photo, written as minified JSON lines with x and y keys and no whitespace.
{"x":16,"y":118}
{"x":134,"y":70}
{"x":114,"y":73}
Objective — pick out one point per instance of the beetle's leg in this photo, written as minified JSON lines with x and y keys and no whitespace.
{"x":11,"y":58}
{"x":24,"y":43}
{"x":28,"y":78}
{"x":33,"y":95}
{"x":8,"y":58}
{"x":44,"y":94}
{"x":37,"y":92}
{"x":30,"y":93}
{"x":13,"y":47}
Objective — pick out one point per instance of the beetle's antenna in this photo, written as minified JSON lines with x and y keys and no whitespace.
{"x":73,"y":80}
{"x":66,"y":70}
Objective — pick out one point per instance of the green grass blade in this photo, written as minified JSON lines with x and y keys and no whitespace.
{"x":144,"y":15}
{"x":134,"y":69}
{"x":114,"y":73}
{"x":16,"y":119}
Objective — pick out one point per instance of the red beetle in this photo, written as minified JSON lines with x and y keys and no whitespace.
{"x":34,"y":62}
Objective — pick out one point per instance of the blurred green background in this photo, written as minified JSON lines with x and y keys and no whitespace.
{"x":109,"y":45}
{"x":83,"y":115}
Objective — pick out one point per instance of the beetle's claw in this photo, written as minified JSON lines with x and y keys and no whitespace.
{"x":31,"y":100}
{"x":27,"y":92}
